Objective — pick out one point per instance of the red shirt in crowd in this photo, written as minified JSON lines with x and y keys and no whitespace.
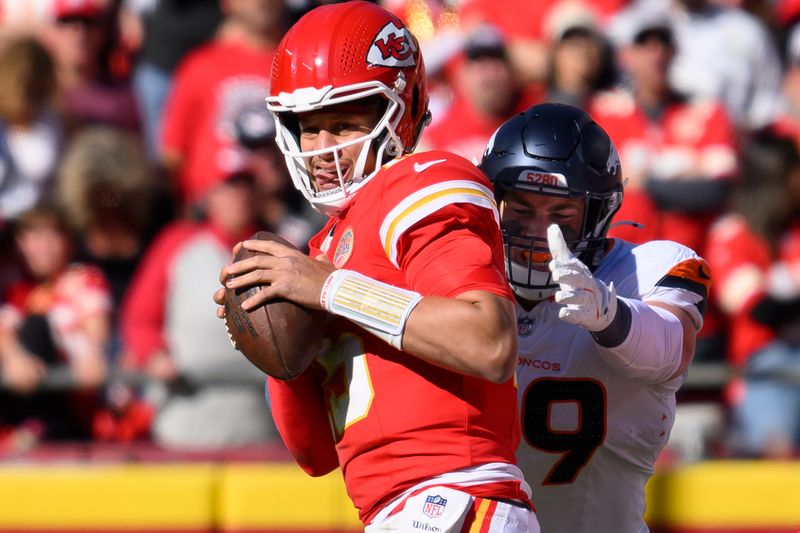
{"x":741,"y":262}
{"x":532,"y":19}
{"x":211,"y":88}
{"x":694,"y":140}
{"x":463,"y":131}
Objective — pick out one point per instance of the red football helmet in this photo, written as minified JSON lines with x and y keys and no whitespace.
{"x":340,"y":53}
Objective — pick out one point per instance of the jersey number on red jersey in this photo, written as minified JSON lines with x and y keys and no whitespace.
{"x":348,"y":382}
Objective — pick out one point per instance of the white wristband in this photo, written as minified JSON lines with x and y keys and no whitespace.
{"x":653,"y":348}
{"x":379,"y":307}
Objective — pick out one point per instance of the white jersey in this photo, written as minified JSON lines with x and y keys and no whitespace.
{"x":591,"y":435}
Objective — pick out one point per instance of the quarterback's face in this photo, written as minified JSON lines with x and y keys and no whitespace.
{"x":526,"y":216}
{"x":326,"y":129}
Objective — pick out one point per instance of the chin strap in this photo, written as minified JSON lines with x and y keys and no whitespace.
{"x":636,"y":225}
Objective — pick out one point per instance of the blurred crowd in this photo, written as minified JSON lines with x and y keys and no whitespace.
{"x":135,"y":150}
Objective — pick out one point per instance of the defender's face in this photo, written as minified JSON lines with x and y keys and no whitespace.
{"x":326,"y":129}
{"x":525,"y":218}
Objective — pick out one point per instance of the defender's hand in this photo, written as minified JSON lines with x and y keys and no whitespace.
{"x":587,"y":301}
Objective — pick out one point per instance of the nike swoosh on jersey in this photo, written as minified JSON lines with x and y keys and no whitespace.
{"x":419,"y":167}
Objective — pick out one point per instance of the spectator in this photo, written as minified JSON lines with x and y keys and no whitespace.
{"x":30,"y":128}
{"x":789,"y":120}
{"x":581,"y":63}
{"x":160,"y":33}
{"x":207,"y":395}
{"x":531,"y":25}
{"x":55,"y":315}
{"x":755,"y":254}
{"x":485,"y":94}
{"x":723,"y":53}
{"x":112,"y":201}
{"x":280,"y":208}
{"x":680,"y":156}
{"x":79,"y":35}
{"x":211,"y":87}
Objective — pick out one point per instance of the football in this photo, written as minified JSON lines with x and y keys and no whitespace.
{"x":279,"y":337}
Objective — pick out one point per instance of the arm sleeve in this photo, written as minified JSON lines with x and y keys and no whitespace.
{"x":765,"y":91}
{"x":776,"y":313}
{"x":686,"y":285}
{"x":298,"y":409}
{"x":142,"y":313}
{"x":691,"y":196}
{"x":11,"y":313}
{"x":180,"y":109}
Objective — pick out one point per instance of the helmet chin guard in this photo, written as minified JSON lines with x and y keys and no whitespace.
{"x":538,"y":286}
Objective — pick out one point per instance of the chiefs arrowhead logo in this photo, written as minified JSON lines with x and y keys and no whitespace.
{"x":392,"y":47}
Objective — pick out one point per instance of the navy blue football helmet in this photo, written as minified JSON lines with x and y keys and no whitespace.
{"x":556,"y":150}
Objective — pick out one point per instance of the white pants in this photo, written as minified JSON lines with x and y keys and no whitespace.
{"x":447,"y":510}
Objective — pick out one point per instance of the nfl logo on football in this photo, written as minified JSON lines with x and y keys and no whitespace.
{"x":434,"y":506}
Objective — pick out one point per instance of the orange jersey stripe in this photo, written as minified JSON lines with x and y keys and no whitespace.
{"x":694,"y":269}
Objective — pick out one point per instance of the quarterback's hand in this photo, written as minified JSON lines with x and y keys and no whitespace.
{"x":587,"y":301}
{"x":281,"y":271}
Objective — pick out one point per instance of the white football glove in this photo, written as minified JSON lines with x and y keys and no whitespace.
{"x":586,"y":301}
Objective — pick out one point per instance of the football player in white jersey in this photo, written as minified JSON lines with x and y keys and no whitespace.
{"x":606,"y":328}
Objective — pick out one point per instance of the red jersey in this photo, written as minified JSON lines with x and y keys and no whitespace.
{"x":77,"y":293}
{"x":427,"y":223}
{"x":788,"y":125}
{"x":741,"y":261}
{"x":537,"y":20}
{"x":212,"y":86}
{"x":695,"y":140}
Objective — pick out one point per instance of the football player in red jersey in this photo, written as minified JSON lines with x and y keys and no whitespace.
{"x":414,"y":396}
